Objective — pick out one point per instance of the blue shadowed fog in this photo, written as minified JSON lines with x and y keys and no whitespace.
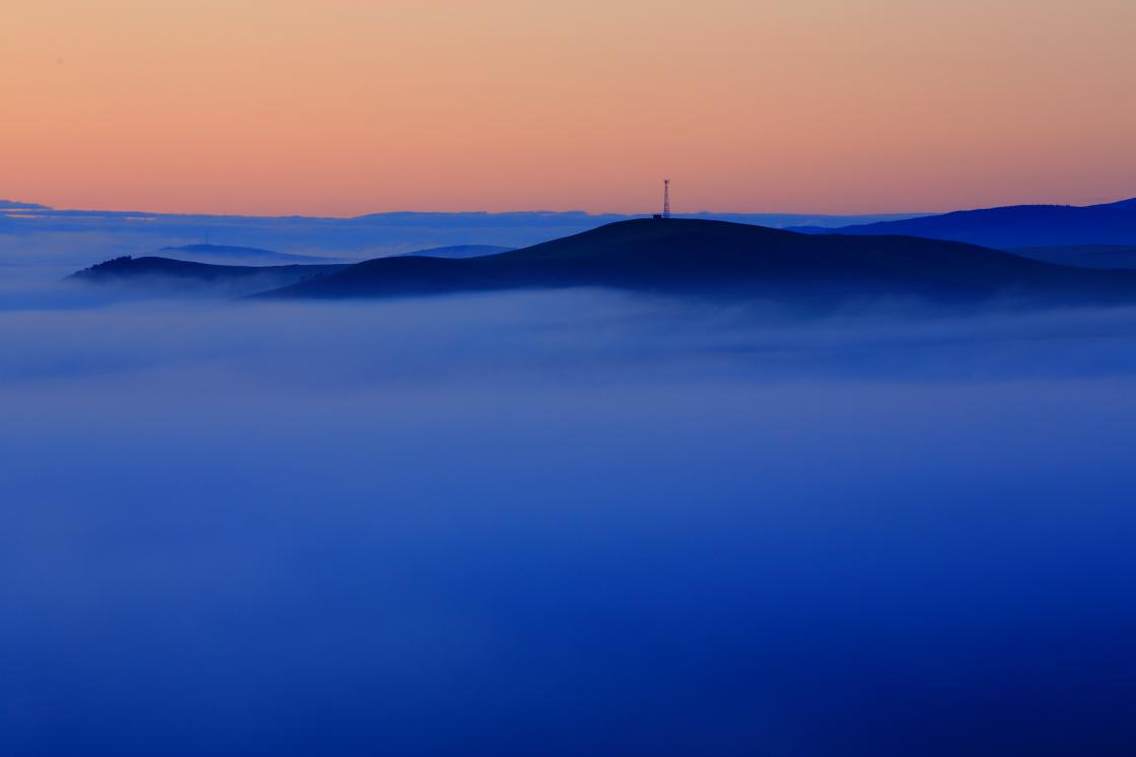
{"x":570,"y":523}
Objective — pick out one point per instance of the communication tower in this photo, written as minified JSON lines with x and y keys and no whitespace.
{"x":666,"y":214}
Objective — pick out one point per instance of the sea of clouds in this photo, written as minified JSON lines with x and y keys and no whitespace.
{"x":572,"y":522}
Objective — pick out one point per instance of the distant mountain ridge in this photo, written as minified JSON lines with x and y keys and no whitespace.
{"x":15,"y":205}
{"x":234,"y":253}
{"x":1016,"y":226}
{"x":1104,"y":256}
{"x":158,"y":275}
{"x":721,"y":259}
{"x":458,"y":251}
{"x":706,"y":259}
{"x":86,"y":236}
{"x":164,"y":273}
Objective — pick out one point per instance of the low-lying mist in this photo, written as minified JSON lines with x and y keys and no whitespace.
{"x":563,"y":523}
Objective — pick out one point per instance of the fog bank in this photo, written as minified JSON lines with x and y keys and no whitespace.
{"x":563,"y":523}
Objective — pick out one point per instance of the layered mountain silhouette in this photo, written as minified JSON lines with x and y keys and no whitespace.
{"x":237,"y":255}
{"x":232,"y":254}
{"x":1107,"y":256}
{"x":693,"y":258}
{"x":459,"y":251}
{"x":164,"y":275}
{"x":1016,"y":226}
{"x":14,"y":205}
{"x":723,"y":259}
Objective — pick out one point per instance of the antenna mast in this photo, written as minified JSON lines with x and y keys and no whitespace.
{"x":666,"y":198}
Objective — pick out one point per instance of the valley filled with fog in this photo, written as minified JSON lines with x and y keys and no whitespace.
{"x":519,"y":379}
{"x":561,"y":523}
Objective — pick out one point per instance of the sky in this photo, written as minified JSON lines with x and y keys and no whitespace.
{"x":341,"y":107}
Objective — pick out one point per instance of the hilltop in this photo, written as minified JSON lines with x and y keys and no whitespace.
{"x":707,"y":259}
{"x":721,"y":259}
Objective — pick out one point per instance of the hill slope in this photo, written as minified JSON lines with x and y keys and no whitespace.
{"x":726,"y":259}
{"x":1018,"y":226}
{"x":458,"y":251}
{"x":236,"y":255}
{"x":255,"y":256}
{"x":158,"y":274}
{"x":1107,"y":256}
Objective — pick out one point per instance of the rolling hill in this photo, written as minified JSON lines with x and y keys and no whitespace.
{"x":161,"y":275}
{"x":254,"y":256}
{"x":720,"y":259}
{"x":1106,"y":256}
{"x":458,"y":251}
{"x":236,"y":255}
{"x":706,"y":259}
{"x":1016,"y":226}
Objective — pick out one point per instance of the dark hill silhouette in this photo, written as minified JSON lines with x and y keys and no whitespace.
{"x":15,"y":205}
{"x":723,"y":259}
{"x":236,"y":255}
{"x":226,"y":254}
{"x":167,"y":274}
{"x":1106,"y":256}
{"x":1016,"y":226}
{"x":458,"y":251}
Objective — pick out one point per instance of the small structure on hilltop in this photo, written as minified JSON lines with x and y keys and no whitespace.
{"x":666,"y":214}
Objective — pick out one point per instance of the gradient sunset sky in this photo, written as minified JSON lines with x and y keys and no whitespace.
{"x":339,"y":107}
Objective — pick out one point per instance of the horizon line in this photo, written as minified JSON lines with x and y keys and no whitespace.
{"x":16,"y":206}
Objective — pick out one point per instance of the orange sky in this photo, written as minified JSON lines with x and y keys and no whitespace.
{"x":340,"y":107}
